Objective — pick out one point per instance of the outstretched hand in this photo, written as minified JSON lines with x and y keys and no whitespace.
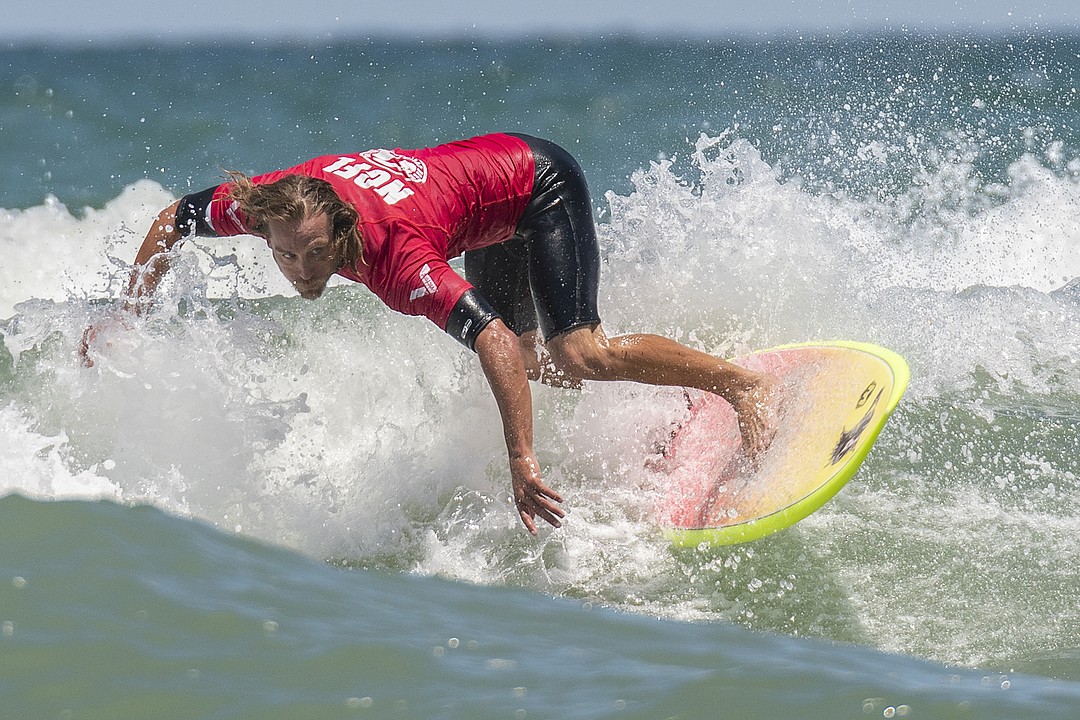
{"x":90,"y":336}
{"x":532,"y":497}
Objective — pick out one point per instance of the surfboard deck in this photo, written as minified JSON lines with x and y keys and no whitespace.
{"x":837,"y":397}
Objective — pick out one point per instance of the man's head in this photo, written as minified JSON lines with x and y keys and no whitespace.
{"x":311,"y":231}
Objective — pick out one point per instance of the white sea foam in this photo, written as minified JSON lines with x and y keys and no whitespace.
{"x":346,"y":431}
{"x":53,"y":253}
{"x":34,"y":464}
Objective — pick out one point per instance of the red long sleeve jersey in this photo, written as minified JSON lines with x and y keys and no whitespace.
{"x":417,"y":208}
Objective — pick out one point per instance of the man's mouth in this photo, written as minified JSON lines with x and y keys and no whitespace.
{"x":310,"y":291}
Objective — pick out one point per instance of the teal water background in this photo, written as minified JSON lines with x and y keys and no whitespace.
{"x":255,"y":506}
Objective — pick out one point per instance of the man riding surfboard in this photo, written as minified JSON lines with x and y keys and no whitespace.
{"x":519,"y":210}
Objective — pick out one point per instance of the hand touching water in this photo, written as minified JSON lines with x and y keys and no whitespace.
{"x":532,"y":497}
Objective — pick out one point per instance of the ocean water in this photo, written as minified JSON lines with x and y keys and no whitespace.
{"x":257,"y":506}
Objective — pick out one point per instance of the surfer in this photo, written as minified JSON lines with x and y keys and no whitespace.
{"x":519,"y":209}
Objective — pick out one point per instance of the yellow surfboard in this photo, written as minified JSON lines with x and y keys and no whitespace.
{"x":837,"y":397}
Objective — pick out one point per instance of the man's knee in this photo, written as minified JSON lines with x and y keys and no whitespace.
{"x":581,"y":355}
{"x":531,"y":355}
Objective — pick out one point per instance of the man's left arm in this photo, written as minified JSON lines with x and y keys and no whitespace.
{"x":500,"y":357}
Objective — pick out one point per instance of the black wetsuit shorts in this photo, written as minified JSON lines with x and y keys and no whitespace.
{"x":547,"y":274}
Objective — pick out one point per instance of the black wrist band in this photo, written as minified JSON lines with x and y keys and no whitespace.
{"x":191,"y":213}
{"x":469,"y":317}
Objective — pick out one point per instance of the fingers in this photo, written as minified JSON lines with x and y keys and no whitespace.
{"x":532,"y":498}
{"x":84,"y":346}
{"x":98,"y":333}
{"x":540,"y":503}
{"x":531,"y":508}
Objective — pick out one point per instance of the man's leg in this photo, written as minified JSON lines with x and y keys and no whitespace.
{"x":538,"y":364}
{"x":564,"y":272}
{"x":586,"y":353}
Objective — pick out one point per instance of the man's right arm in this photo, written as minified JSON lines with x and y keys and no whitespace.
{"x":190,"y":215}
{"x":170,"y":227}
{"x":151,"y":264}
{"x":152,"y":260}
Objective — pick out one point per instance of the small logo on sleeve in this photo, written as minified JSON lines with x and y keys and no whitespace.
{"x":232,"y":211}
{"x":428,"y":286}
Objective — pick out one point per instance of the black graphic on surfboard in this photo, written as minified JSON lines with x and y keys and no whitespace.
{"x":849,"y":439}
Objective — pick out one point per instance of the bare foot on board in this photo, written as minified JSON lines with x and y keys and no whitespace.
{"x":757,"y":407}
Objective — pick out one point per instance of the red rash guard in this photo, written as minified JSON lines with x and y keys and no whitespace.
{"x":418,"y":209}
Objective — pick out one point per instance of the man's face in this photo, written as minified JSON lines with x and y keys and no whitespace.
{"x":303,"y":252}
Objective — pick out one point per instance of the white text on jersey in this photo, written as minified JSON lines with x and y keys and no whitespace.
{"x":365,"y":175}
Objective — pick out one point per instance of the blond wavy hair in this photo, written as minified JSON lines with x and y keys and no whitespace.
{"x":293,"y":198}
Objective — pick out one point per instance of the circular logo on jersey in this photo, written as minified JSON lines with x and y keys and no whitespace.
{"x":410,"y":168}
